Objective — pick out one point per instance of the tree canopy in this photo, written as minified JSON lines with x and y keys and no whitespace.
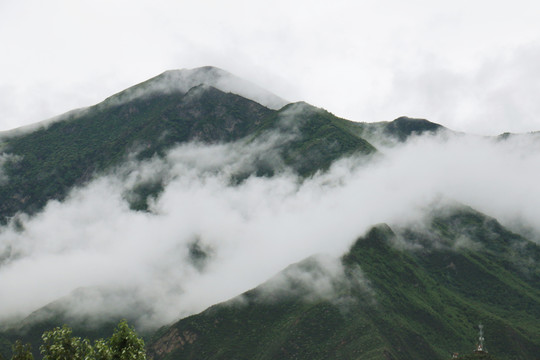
{"x":60,"y":344}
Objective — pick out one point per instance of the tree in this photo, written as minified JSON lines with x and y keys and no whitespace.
{"x":125,"y":344}
{"x":102,"y":351}
{"x":59,"y":344}
{"x":22,"y":352}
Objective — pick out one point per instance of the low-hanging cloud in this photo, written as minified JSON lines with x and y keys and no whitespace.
{"x":320,"y":277}
{"x":246,"y":231}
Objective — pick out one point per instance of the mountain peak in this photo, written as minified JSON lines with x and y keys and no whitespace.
{"x":183,"y":80}
{"x":404,"y":126}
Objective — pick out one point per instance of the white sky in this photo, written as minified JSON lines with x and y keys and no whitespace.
{"x":470,"y":65}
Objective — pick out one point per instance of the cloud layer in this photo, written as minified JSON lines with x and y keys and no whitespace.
{"x":206,"y":239}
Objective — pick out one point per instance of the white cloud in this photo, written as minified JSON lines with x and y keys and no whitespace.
{"x":253,"y":229}
{"x":318,"y":277}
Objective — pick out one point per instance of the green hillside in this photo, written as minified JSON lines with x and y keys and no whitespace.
{"x":318,"y":138}
{"x":424,"y":302}
{"x":48,"y":162}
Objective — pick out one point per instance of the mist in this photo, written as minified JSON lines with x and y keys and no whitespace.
{"x":206,"y":239}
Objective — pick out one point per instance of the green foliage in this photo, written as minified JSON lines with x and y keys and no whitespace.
{"x":102,"y":351}
{"x":125,"y":344}
{"x":22,"y":352}
{"x":60,"y":344}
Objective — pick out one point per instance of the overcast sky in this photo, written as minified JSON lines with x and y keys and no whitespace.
{"x":470,"y":65}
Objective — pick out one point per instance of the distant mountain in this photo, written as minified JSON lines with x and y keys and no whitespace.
{"x":535,"y":136}
{"x":390,"y":133}
{"x":403,"y":127}
{"x":424,"y":302}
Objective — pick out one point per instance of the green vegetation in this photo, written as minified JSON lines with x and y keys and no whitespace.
{"x":322,"y":140}
{"x":60,"y":344}
{"x":22,"y":352}
{"x":403,"y":127}
{"x":69,"y":152}
{"x":52,"y":316}
{"x":47,"y":163}
{"x":124,"y":344}
{"x":391,"y":132}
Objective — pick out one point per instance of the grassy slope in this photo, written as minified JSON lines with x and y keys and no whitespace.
{"x":428,"y":303}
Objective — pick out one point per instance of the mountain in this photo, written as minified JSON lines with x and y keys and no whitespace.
{"x":146,"y":120}
{"x":406,"y":293}
{"x":390,"y":133}
{"x":403,"y":127}
{"x":47,"y":161}
{"x":404,"y":290}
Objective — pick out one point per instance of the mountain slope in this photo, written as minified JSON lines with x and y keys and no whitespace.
{"x":316,"y":137}
{"x":425,"y":302}
{"x":49,"y":161}
{"x":46,"y":163}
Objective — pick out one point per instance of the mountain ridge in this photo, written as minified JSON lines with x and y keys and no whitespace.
{"x":405,"y":283}
{"x":91,"y":141}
